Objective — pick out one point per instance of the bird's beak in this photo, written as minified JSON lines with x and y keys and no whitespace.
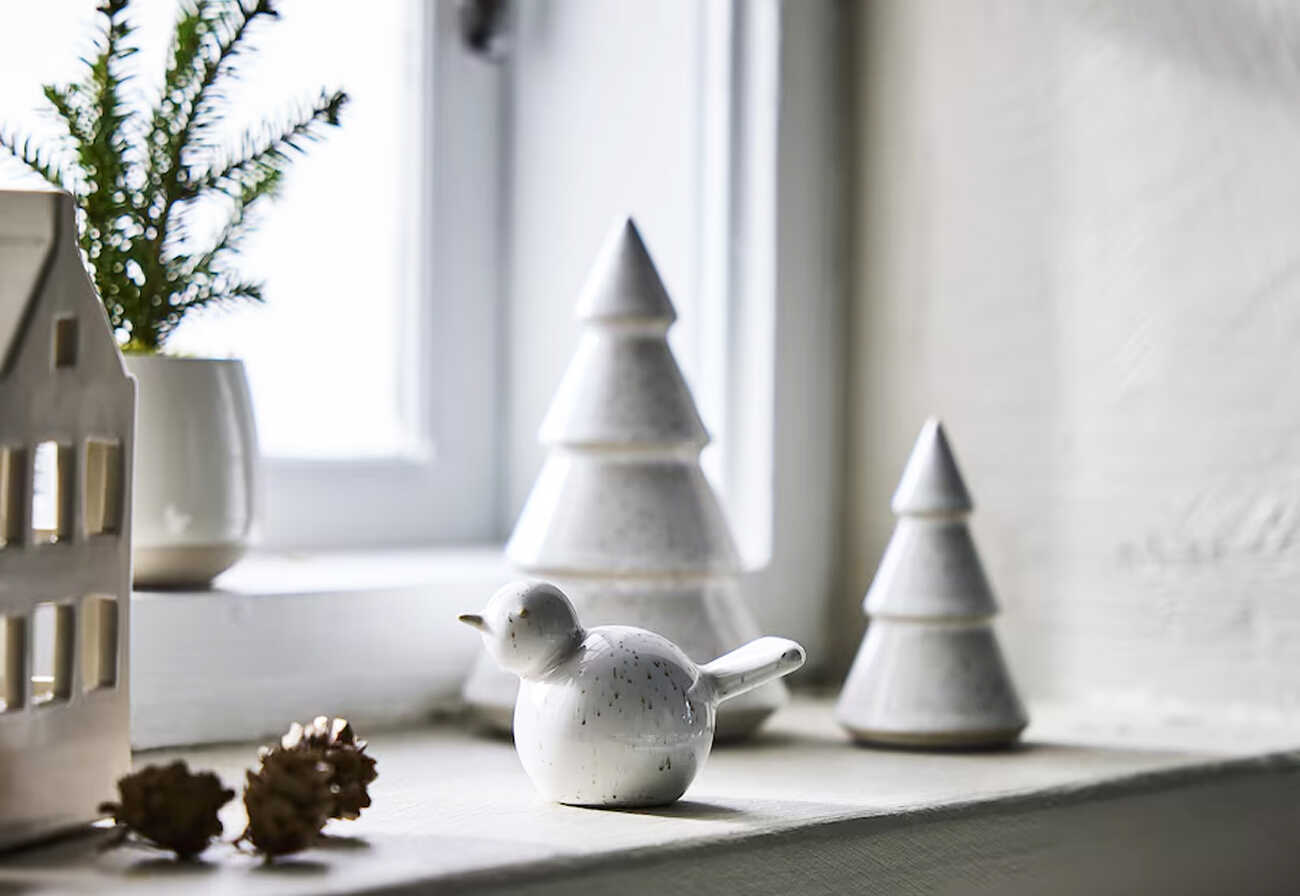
{"x":473,"y":620}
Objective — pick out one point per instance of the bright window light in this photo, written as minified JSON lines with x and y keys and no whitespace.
{"x":340,"y":251}
{"x":51,"y":478}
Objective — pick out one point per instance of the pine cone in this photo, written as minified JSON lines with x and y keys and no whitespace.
{"x":334,"y":742}
{"x":288,"y":801}
{"x":170,"y":808}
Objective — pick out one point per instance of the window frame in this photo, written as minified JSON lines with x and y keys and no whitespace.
{"x":772,"y":294}
{"x":445,"y":489}
{"x":774,"y":301}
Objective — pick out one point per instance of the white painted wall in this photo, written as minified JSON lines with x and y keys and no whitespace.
{"x":1078,"y":239}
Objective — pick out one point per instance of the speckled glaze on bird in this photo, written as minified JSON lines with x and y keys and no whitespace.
{"x":614,"y":715}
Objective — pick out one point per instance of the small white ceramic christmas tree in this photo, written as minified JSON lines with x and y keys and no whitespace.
{"x":621,"y":515}
{"x":929,"y":672}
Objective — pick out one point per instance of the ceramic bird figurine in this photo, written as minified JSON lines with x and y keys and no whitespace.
{"x":613,"y":715}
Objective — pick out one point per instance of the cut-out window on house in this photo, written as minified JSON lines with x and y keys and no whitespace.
{"x":53,"y":636}
{"x":65,"y":342}
{"x":52,"y":493}
{"x":102,"y":495}
{"x":13,"y":660}
{"x":98,"y":642}
{"x":13,"y":493}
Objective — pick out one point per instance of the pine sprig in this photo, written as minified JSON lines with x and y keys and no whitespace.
{"x":268,"y":150}
{"x":97,"y":119}
{"x":206,"y":40}
{"x":140,"y":175}
{"x":70,"y":111}
{"x":20,"y":147}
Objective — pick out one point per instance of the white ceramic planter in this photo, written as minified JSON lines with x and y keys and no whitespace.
{"x":196,"y":465}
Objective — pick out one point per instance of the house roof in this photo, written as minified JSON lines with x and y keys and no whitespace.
{"x":931,"y":482}
{"x":623,"y":284}
{"x":29,"y":220}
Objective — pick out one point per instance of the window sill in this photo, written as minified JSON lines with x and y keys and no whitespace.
{"x":796,"y":810}
{"x":371,"y":636}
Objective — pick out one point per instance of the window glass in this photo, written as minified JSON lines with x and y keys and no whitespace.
{"x":339,"y":250}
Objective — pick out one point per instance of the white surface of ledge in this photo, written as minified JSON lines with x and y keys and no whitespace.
{"x":357,"y":571}
{"x":798,"y":810}
{"x":371,"y":636}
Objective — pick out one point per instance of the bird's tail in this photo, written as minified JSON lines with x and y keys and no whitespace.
{"x":756,"y":663}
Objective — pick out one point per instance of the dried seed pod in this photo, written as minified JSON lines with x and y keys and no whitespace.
{"x":288,"y":800}
{"x":169,"y":807}
{"x":334,"y":743}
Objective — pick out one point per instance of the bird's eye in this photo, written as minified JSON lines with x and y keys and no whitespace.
{"x":523,"y":612}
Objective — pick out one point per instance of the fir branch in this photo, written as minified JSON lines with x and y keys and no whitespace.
{"x":186,"y":268}
{"x":98,"y":128}
{"x":23,"y":151}
{"x":221,"y":289}
{"x":65,"y":101}
{"x":139,"y":175}
{"x":204,"y":291}
{"x":267,"y":153}
{"x":99,"y":131}
{"x":202,"y":53}
{"x":169,"y":125}
{"x":227,"y":32}
{"x":183,"y":66}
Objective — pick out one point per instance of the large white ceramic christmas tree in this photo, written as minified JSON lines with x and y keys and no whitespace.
{"x":929,"y":672}
{"x":621,"y":515}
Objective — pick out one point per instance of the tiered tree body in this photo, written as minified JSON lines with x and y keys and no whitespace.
{"x":929,"y":672}
{"x":621,"y":515}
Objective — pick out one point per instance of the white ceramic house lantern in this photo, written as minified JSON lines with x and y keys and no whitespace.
{"x":929,"y":672}
{"x":67,"y":411}
{"x":621,"y":516}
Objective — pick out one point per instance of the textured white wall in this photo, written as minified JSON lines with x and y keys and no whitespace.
{"x":1078,"y":240}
